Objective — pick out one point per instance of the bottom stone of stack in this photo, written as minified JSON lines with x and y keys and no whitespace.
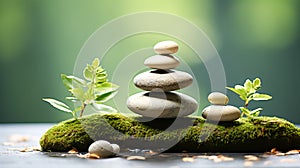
{"x":162,"y":104}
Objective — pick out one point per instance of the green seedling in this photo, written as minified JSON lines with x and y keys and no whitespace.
{"x":94,"y":90}
{"x":247,"y":93}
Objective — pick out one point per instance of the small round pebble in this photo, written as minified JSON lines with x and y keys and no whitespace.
{"x":116,"y":148}
{"x":218,"y":98}
{"x":162,"y":62}
{"x":101,"y":148}
{"x":166,"y":47}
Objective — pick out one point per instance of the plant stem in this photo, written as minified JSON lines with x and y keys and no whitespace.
{"x":246,"y":103}
{"x":246,"y":106}
{"x":82,"y":109}
{"x":74,"y":115}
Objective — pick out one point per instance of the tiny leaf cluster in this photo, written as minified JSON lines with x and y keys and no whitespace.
{"x":249,"y":92}
{"x":94,"y":90}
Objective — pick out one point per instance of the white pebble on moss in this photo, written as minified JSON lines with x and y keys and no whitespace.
{"x":221,"y":113}
{"x":218,"y":98}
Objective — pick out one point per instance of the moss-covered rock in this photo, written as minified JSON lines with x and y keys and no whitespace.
{"x":258,"y":134}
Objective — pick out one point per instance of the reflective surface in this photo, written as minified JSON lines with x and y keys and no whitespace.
{"x":11,"y":157}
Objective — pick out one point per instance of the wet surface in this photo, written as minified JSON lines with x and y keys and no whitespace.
{"x":24,"y":137}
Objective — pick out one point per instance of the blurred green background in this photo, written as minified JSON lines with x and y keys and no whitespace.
{"x":40,"y":39}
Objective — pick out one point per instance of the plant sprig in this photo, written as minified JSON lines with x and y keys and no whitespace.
{"x":94,"y":90}
{"x":247,"y":93}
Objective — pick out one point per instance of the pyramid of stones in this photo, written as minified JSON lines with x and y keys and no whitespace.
{"x":160,"y":99}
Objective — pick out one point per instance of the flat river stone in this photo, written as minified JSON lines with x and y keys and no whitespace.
{"x":221,"y":113}
{"x":162,"y":104}
{"x":162,"y":62}
{"x":163,"y":80}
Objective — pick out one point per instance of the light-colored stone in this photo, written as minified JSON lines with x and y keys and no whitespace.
{"x":221,"y":113}
{"x":101,"y":148}
{"x":166,"y":80}
{"x":162,"y":62}
{"x":116,"y":148}
{"x":162,"y":104}
{"x":218,"y":98}
{"x":166,"y":47}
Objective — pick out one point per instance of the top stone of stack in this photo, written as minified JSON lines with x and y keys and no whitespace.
{"x":164,"y":59}
{"x":166,"y":47}
{"x":217,"y":98}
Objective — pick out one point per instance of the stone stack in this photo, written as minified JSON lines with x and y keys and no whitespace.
{"x":160,"y":99}
{"x":219,"y":110}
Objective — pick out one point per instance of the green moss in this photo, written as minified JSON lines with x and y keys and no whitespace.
{"x":257,"y":134}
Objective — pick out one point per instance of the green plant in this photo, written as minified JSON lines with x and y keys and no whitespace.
{"x":247,"y":93}
{"x":94,"y":90}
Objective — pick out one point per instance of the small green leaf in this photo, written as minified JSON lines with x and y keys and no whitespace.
{"x":87,"y":74}
{"x":78,"y":93}
{"x":105,"y":97}
{"x":258,"y":96}
{"x":104,"y":108}
{"x":89,"y":67}
{"x":106,"y":87}
{"x":57,"y":104}
{"x":73,"y":99}
{"x":100,"y":70}
{"x":245,"y":110}
{"x":239,"y":87}
{"x":256,"y":83}
{"x":71,"y":81}
{"x":232,"y":89}
{"x":248,"y":85}
{"x":66,"y":81}
{"x":243,"y":97}
{"x":240,"y":91}
{"x":100,"y":78}
{"x":95,"y":63}
{"x":255,"y":112}
{"x":258,"y":109}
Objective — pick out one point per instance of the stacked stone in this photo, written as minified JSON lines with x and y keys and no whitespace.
{"x":219,"y":110}
{"x":160,"y":99}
